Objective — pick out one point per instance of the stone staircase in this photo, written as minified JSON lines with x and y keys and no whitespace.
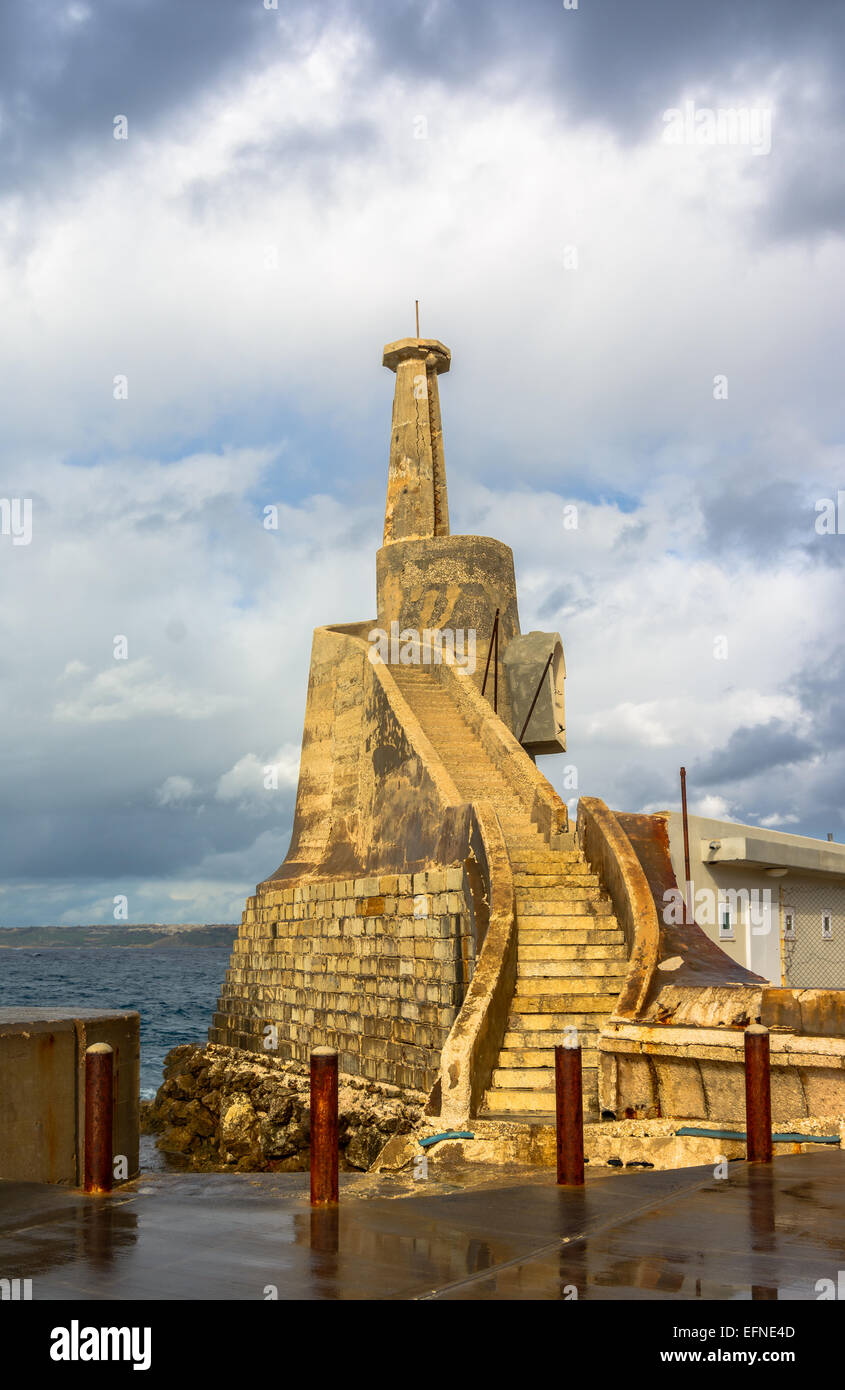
{"x":571,"y":950}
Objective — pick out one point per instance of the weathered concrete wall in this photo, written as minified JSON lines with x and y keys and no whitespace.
{"x":451,"y":582}
{"x":536,"y":693}
{"x":330,"y":950}
{"x":472,"y":1048}
{"x":42,"y":1090}
{"x":372,"y":794}
{"x":377,"y":967}
{"x":611,"y":855}
{"x":699,"y":1074}
{"x":675,"y":1044}
{"x":417,"y":502}
{"x":530,"y":787}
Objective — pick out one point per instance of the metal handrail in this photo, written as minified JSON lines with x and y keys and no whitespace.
{"x":536,"y":695}
{"x":494,"y":643}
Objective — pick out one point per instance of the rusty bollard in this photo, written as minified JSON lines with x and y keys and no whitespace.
{"x":324,"y":1160}
{"x":99,"y":1117}
{"x":758,"y":1095}
{"x":569,"y":1109}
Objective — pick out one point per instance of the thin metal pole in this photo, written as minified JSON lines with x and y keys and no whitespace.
{"x":536,"y":696}
{"x":758,"y":1095}
{"x":496,"y":668}
{"x":417,"y":302}
{"x":494,"y":641}
{"x":99,"y":1118}
{"x":569,"y":1113}
{"x":687,"y":887}
{"x":324,"y":1157}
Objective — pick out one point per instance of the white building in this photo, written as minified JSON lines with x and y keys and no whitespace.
{"x":774,"y":902}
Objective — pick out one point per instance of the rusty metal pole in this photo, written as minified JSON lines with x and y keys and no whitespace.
{"x":687,"y":885}
{"x":494,"y":646}
{"x":324,"y":1159}
{"x":758,"y":1095}
{"x":569,"y":1108}
{"x":99,"y":1118}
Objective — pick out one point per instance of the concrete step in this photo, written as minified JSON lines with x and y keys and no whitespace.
{"x":554,"y":1002}
{"x":538,"y":1042}
{"x":569,"y":874}
{"x":552,"y":858}
{"x":554,"y":862}
{"x":500,"y":1100}
{"x":575,"y":900}
{"x":586,"y":983}
{"x":536,"y":1076}
{"x":585,"y":1022}
{"x":579,"y":935}
{"x":577,"y":950}
{"x":568,"y":921}
{"x":556,"y":970}
{"x":566,"y":886}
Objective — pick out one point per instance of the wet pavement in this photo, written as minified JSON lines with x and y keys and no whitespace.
{"x":765,"y":1232}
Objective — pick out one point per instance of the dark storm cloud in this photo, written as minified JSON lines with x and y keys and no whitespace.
{"x":611,"y":58}
{"x":62,"y":81}
{"x":821,"y":688}
{"x":126,"y":842}
{"x":752,"y":750}
{"x":750,"y":518}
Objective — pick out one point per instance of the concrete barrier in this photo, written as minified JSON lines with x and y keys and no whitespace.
{"x":42,"y":1090}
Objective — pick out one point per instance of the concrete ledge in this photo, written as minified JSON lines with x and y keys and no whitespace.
{"x":611,"y":855}
{"x":634,"y":1144}
{"x":413,"y":730}
{"x":816,"y":1012}
{"x":472,"y":1048}
{"x":699,"y":1073}
{"x":42,"y":1090}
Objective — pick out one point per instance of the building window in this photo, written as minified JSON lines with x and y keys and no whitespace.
{"x":726,"y":926}
{"x":827,"y":926}
{"x":788,"y":925}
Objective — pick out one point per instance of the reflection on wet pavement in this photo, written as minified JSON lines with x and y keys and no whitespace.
{"x":765,"y":1232}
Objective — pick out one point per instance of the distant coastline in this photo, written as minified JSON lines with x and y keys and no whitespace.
{"x":142,"y":937}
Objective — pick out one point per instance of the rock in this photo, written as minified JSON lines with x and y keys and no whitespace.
{"x":238,"y":1125}
{"x":364,"y":1148}
{"x":151,"y":1120}
{"x":200,"y":1121}
{"x":223,"y":1108}
{"x":397,"y":1153}
{"x":175,"y":1139}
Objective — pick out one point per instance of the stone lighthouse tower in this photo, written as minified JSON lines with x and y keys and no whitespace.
{"x":417,"y":773}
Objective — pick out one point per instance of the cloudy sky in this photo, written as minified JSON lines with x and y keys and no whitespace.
{"x":644,"y":312}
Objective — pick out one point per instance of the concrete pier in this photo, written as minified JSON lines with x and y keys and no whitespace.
{"x":768,"y":1231}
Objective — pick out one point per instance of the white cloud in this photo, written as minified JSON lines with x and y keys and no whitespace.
{"x":174,"y":790}
{"x":255,"y":379}
{"x":254,"y":781}
{"x":131,"y":691}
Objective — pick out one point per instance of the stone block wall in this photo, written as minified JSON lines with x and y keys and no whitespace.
{"x":376,"y":967}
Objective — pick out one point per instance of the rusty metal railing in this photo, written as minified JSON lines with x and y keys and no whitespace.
{"x":536,"y":695}
{"x":493,"y":648}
